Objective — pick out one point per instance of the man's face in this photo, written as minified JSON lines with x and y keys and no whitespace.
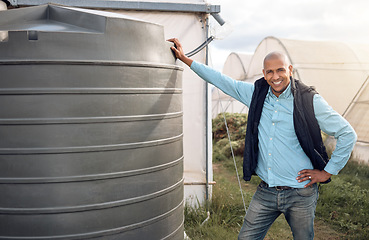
{"x":277,"y":73}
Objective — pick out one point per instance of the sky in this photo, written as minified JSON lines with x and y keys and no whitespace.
{"x":252,"y":21}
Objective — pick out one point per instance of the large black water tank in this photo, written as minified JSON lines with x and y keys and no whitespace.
{"x":90,"y":127}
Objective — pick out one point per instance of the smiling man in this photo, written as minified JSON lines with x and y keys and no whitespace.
{"x":283,"y":144}
{"x":277,"y":72}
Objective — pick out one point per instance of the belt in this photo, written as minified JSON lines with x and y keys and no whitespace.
{"x":277,"y":187}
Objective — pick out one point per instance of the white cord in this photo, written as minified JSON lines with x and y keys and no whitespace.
{"x":230,"y":144}
{"x":208,"y":213}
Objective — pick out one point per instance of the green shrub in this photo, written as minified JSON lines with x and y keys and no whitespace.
{"x":344,"y":202}
{"x":221,"y":147}
{"x":236,"y":125}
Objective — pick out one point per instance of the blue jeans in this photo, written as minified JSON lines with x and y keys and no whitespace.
{"x":297,"y":204}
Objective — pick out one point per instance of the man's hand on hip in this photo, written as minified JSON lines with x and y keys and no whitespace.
{"x":313,"y":175}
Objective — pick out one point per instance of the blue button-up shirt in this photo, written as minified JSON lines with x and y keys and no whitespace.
{"x":280,"y":154}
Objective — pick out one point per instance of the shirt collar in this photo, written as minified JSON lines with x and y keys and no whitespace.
{"x":286,"y":93}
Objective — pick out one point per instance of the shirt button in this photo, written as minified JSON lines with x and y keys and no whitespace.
{"x":275,"y":111}
{"x":270,"y":154}
{"x":273,"y":124}
{"x":271,"y":139}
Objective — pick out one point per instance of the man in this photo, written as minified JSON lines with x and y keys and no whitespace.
{"x":283,"y":143}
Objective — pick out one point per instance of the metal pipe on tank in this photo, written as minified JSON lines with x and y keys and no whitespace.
{"x":207,"y":130}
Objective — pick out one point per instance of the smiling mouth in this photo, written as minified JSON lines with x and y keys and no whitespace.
{"x":277,"y":83}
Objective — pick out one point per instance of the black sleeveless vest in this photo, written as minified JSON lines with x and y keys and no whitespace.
{"x":306,"y":126}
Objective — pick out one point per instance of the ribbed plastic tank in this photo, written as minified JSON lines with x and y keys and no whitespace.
{"x":90,"y":127}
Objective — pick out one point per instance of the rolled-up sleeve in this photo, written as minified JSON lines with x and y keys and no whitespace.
{"x":335,"y":125}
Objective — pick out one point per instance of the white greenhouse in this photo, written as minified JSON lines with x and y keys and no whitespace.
{"x":339,"y":71}
{"x":235,"y":66}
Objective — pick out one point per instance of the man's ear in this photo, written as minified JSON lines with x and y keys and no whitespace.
{"x":291,"y":69}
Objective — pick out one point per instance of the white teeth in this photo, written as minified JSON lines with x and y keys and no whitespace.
{"x":277,"y":83}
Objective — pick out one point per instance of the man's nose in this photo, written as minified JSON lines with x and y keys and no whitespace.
{"x":275,"y":75}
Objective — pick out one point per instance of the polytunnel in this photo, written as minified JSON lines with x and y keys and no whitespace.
{"x":338,"y":70}
{"x":235,"y":66}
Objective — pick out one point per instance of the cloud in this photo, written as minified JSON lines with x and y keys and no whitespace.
{"x":333,"y":20}
{"x":312,"y":18}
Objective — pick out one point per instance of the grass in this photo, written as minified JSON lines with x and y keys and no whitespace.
{"x":344,"y":203}
{"x":342,"y":211}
